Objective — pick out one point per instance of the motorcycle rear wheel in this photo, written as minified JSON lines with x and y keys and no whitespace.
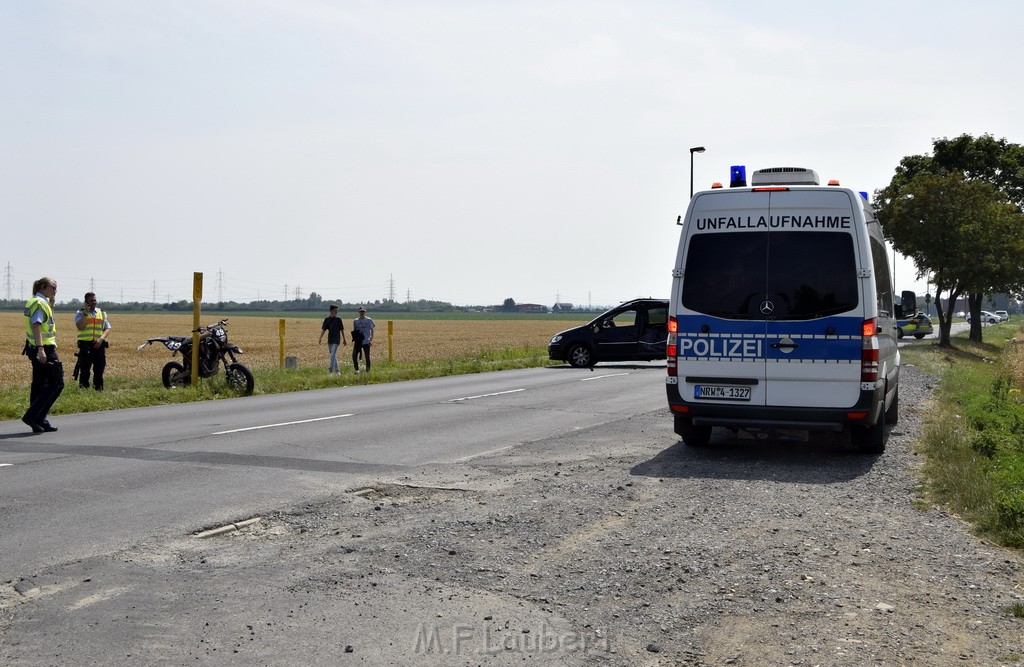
{"x":240,"y":379}
{"x":174,"y":375}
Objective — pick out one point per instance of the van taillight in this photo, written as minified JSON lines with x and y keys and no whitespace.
{"x":672,"y":346}
{"x":869,"y":351}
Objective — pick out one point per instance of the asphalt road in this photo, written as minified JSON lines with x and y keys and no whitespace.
{"x":581,"y":532}
{"x":108,"y":480}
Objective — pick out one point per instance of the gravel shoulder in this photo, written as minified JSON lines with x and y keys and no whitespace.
{"x":611,"y":546}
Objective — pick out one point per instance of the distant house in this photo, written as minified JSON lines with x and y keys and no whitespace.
{"x":531,"y":308}
{"x":562,"y":307}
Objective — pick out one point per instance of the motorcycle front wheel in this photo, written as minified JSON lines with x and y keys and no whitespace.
{"x":174,"y":375}
{"x":240,"y":379}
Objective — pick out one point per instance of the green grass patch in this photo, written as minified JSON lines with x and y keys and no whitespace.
{"x":974,"y":438}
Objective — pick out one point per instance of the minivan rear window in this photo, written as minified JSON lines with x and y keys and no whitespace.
{"x":804,"y":275}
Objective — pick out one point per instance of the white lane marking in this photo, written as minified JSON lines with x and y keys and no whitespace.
{"x":497,"y":393}
{"x":487,"y":453}
{"x":301,"y":421}
{"x":5,"y":464}
{"x":601,"y":377}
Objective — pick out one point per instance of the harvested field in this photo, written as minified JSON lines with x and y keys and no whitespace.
{"x":414,"y":340}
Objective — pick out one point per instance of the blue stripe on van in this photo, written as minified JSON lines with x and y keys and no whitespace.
{"x":746,"y":340}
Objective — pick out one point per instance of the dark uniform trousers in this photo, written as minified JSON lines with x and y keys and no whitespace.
{"x":91,"y":359}
{"x":47,"y":383}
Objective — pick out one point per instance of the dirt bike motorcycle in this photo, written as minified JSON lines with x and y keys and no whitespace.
{"x":214,"y":351}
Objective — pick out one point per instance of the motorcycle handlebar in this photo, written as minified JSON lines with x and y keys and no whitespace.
{"x":209,"y":327}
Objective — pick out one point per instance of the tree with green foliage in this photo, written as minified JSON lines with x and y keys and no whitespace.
{"x":964,"y":233}
{"x":957,"y":214}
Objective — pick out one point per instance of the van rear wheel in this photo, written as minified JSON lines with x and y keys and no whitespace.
{"x":693,"y":436}
{"x":869,"y":439}
{"x":892,"y":415}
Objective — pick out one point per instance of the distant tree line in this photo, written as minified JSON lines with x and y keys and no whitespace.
{"x":313,"y":303}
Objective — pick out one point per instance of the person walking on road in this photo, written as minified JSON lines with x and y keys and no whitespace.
{"x":334,"y":327}
{"x":93,"y":329}
{"x":362,"y":337}
{"x":41,"y":349}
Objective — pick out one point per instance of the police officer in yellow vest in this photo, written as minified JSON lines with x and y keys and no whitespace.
{"x":41,"y":349}
{"x":93,"y":329}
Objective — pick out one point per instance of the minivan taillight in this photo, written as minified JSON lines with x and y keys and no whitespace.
{"x":672,"y":346}
{"x":869,"y":351}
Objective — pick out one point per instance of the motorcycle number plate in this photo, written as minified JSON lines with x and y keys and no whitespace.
{"x":173,"y":345}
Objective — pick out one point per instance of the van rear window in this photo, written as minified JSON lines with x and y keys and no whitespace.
{"x":804,"y":275}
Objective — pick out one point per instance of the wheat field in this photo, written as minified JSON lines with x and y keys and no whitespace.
{"x":413,"y":340}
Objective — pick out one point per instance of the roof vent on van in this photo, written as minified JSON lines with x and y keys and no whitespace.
{"x":785,"y":176}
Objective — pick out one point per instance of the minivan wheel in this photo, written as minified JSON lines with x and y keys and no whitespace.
{"x":693,"y":436}
{"x":580,"y":356}
{"x":899,"y":332}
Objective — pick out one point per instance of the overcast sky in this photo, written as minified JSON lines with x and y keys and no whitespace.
{"x":460,"y":151}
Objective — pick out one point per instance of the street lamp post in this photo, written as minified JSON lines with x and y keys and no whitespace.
{"x":695,"y":149}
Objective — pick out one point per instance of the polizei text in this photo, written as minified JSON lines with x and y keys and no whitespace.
{"x":720,"y":347}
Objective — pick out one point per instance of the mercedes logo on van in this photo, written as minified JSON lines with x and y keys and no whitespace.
{"x":767,"y":307}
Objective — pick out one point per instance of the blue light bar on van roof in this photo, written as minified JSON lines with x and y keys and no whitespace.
{"x":738,"y":176}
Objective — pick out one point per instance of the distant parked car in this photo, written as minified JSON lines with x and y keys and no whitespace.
{"x":633,"y":331}
{"x":987,"y":317}
{"x":918,"y":326}
{"x":1003,"y":314}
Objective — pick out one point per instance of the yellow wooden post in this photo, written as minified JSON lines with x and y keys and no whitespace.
{"x":391,"y":337}
{"x":197,"y":300}
{"x":280,"y":331}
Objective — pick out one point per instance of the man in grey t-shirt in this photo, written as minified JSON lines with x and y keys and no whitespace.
{"x":362,"y":336}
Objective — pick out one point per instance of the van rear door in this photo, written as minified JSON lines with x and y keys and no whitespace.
{"x":813,"y":305}
{"x":721,"y":333}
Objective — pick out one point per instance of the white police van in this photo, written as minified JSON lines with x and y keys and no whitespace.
{"x":782,"y":313}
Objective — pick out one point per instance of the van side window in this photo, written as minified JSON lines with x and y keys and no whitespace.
{"x":883,"y":280}
{"x":804,"y":275}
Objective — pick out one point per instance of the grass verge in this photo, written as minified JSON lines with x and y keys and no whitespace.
{"x":974,"y":436}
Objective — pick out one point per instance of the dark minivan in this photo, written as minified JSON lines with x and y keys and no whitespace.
{"x":636,"y":330}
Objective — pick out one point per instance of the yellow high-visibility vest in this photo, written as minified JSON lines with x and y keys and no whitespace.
{"x":93,"y":325}
{"x":48,"y":327}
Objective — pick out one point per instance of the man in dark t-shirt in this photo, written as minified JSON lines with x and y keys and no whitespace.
{"x":334,"y":328}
